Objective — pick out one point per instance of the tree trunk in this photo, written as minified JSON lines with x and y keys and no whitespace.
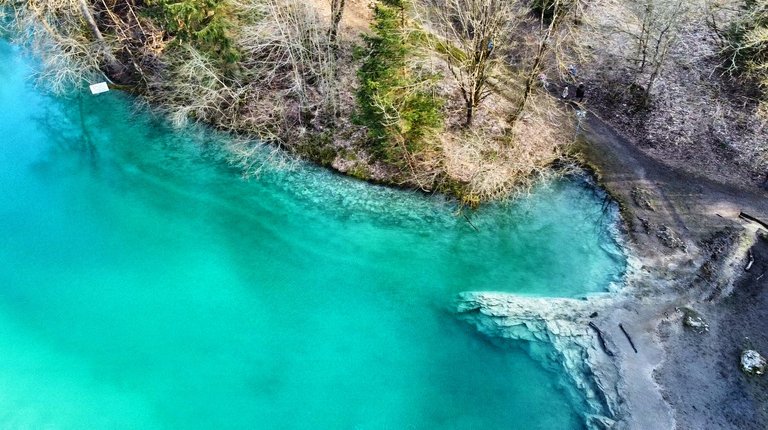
{"x":112,"y":62}
{"x":534,"y":70}
{"x":470,"y":114}
{"x":523,"y":103}
{"x":337,"y":10}
{"x":531,"y":77}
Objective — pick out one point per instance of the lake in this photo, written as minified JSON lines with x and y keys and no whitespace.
{"x":144,"y":284}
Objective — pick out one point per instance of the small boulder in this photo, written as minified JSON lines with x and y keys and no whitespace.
{"x":694,"y":320}
{"x":752,"y":362}
{"x":643,"y":198}
{"x":600,"y":422}
{"x":645,"y":224}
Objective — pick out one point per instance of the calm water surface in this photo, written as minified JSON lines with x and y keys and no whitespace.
{"x":145,"y":285}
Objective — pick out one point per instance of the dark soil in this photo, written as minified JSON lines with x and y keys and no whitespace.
{"x":656,"y":197}
{"x":661,"y":204}
{"x":701,"y":375}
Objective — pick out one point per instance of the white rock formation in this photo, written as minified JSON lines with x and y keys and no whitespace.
{"x":552,"y":328}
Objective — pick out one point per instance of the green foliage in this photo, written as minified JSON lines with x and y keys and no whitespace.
{"x":396,"y":101}
{"x":205,"y":23}
{"x":318,"y":148}
{"x":747,"y":36}
{"x":360,"y":171}
{"x":747,"y":44}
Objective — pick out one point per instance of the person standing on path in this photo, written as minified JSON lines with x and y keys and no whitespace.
{"x":580,"y":92}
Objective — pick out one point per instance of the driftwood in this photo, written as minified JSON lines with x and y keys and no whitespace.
{"x":600,"y":338}
{"x":632,"y":344}
{"x":749,"y":217}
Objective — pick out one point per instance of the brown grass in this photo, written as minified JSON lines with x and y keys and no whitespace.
{"x":356,"y":19}
{"x":496,"y":162}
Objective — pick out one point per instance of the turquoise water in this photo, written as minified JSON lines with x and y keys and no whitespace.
{"x":145,"y":285}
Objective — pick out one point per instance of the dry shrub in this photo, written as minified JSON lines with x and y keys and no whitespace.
{"x":495,"y":166}
{"x":191,"y":88}
{"x":288,"y":51}
{"x":253,"y":157}
{"x":53,"y":29}
{"x":283,"y":84}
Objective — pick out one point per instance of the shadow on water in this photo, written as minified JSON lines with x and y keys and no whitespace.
{"x":68,"y":133}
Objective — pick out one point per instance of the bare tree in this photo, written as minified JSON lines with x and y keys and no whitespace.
{"x":284,"y":84}
{"x":471,"y":32}
{"x":661,"y":21}
{"x":337,"y":10}
{"x":651,"y":27}
{"x":552,"y":17}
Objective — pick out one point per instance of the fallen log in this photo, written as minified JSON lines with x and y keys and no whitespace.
{"x":749,"y":217}
{"x":601,"y":339}
{"x":632,"y":344}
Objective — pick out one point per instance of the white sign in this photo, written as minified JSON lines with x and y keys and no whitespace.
{"x":99,"y":88}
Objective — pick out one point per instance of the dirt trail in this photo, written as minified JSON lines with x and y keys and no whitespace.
{"x":696,"y":206}
{"x":686,"y":233}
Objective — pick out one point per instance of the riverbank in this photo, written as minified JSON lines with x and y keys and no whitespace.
{"x":687,"y":235}
{"x":397,"y":93}
{"x":688,"y":249}
{"x":383,"y":91}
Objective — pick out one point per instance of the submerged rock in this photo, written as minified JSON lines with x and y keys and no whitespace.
{"x":599,"y":422}
{"x":555,"y":332}
{"x":752,"y":362}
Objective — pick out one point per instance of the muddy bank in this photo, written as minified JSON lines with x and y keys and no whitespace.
{"x":693,"y":246}
{"x":699,"y":376}
{"x":689,"y":248}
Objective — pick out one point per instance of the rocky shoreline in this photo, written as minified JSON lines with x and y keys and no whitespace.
{"x":555,"y":331}
{"x":634,"y":353}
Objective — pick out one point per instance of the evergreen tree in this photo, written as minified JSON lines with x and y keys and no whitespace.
{"x":396,"y":101}
{"x":205,"y":23}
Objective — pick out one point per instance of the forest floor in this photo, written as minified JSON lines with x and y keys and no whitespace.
{"x":691,"y":245}
{"x":700,"y":118}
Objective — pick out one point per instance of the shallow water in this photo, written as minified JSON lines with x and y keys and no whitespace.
{"x":143,"y":284}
